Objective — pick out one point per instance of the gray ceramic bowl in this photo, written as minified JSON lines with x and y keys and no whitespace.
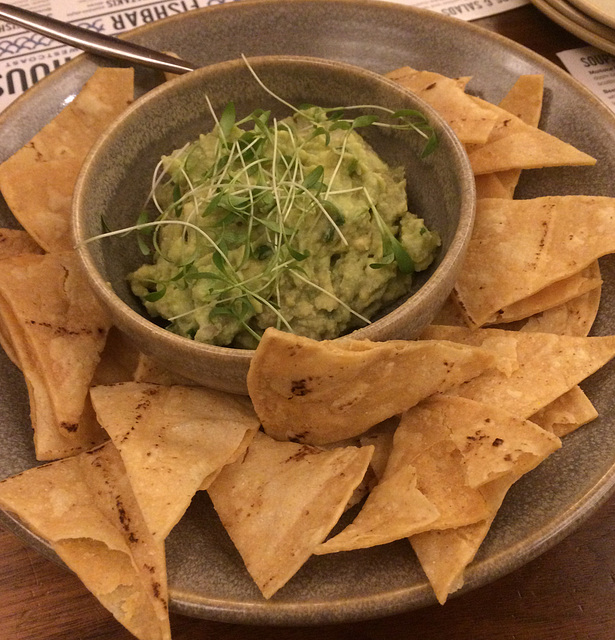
{"x":116,"y":179}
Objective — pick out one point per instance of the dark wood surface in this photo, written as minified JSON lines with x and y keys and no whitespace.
{"x":568,"y":593}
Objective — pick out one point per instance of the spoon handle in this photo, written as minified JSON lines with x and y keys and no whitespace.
{"x":99,"y":43}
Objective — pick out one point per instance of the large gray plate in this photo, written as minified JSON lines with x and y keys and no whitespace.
{"x":206,"y":575}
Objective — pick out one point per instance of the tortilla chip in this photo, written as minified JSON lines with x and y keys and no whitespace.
{"x":445,"y":554}
{"x":118,"y":361}
{"x":492,"y":442}
{"x":281,"y":500}
{"x":290,"y":382}
{"x":85,"y":508}
{"x":471,"y":122}
{"x":14,"y":242}
{"x":519,"y":247}
{"x":423,"y":487}
{"x":150,"y":370}
{"x":490,"y":185}
{"x":513,"y":144}
{"x":556,"y":294}
{"x":572,"y":318}
{"x":524,"y":100}
{"x":394,"y":509}
{"x":58,"y":330}
{"x":548,"y":366}
{"x":170,"y":440}
{"x":38,"y":181}
{"x":567,"y":413}
{"x":381,"y":438}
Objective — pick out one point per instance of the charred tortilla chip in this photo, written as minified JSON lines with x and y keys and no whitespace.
{"x":471,"y":122}
{"x":38,"y":180}
{"x":58,"y":331}
{"x":171,"y":439}
{"x":290,"y":382}
{"x":492,"y":442}
{"x":281,"y":500}
{"x":548,"y":366}
{"x":519,"y":247}
{"x":85,"y":508}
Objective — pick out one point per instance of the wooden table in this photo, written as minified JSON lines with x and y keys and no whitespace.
{"x":566,"y":594}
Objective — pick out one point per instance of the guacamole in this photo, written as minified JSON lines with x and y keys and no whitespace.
{"x":296,"y":224}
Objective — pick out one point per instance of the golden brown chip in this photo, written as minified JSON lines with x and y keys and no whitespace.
{"x":14,"y":242}
{"x":513,"y":144}
{"x":445,"y":554}
{"x":554,"y":295}
{"x":85,"y":508}
{"x":490,"y":185}
{"x":549,"y":365}
{"x":58,"y":330}
{"x":281,"y":500}
{"x":524,"y":100}
{"x":290,"y":382}
{"x":118,"y":361}
{"x":150,"y":370}
{"x":570,"y":411}
{"x":519,"y":247}
{"x":171,"y":439}
{"x":492,"y":442}
{"x":471,"y":121}
{"x":394,"y":509}
{"x":38,"y":180}
{"x":574,"y":317}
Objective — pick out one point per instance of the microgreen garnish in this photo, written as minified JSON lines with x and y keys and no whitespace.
{"x":243,"y":200}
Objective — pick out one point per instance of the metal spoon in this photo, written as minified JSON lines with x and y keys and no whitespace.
{"x":103,"y":45}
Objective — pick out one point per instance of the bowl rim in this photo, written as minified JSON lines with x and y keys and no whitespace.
{"x":240,"y":356}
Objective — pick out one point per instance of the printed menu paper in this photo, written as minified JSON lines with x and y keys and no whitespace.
{"x":26,"y":57}
{"x":593,"y":68}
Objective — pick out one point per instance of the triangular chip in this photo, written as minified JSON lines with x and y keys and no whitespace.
{"x":38,"y":180}
{"x":470,"y":121}
{"x":572,"y":318}
{"x":290,"y":382}
{"x":524,"y":100}
{"x":171,"y":439}
{"x":513,"y":144}
{"x":444,"y":555}
{"x":549,"y":365}
{"x":490,"y":185}
{"x":281,"y":500}
{"x":570,"y":411}
{"x":492,"y":442}
{"x":556,"y":294}
{"x":85,"y":508}
{"x":519,"y":247}
{"x":14,"y":242}
{"x":423,"y":487}
{"x":149,"y":369}
{"x":58,"y":331}
{"x":394,"y":509}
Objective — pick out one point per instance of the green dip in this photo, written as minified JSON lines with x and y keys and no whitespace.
{"x":296,"y":224}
